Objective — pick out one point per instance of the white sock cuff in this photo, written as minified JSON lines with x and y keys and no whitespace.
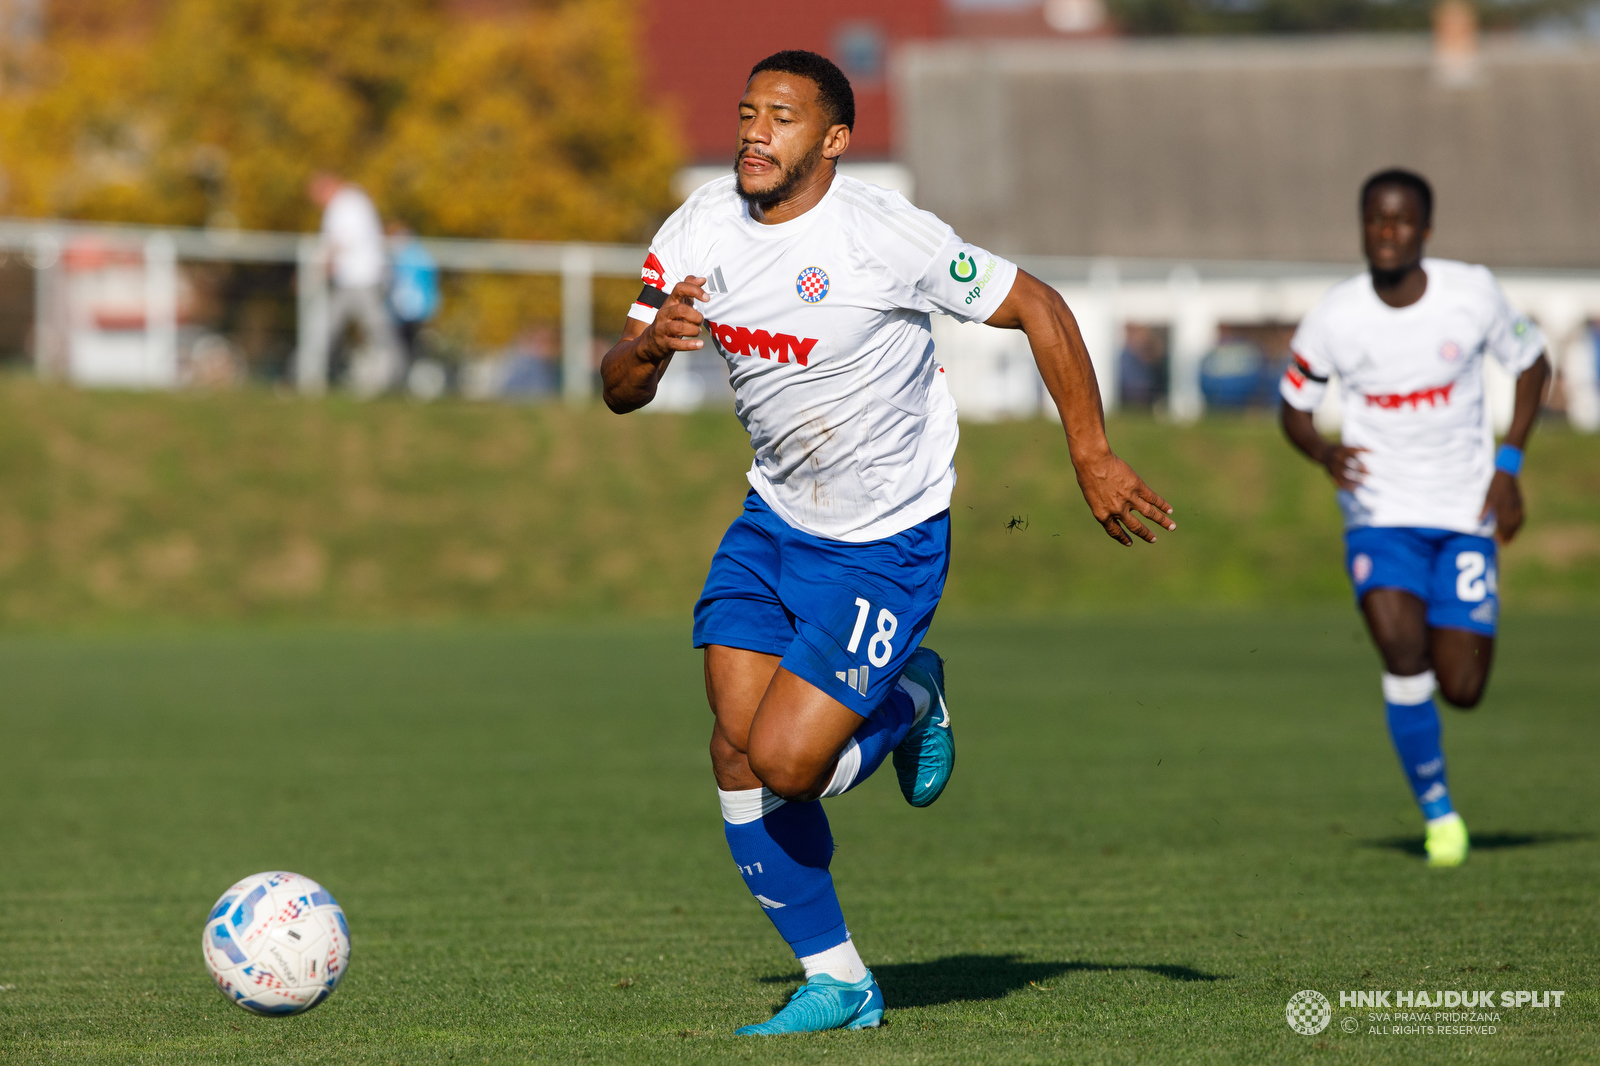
{"x":747,"y":805}
{"x":841,"y":961}
{"x":844,"y":774}
{"x":920,"y":697}
{"x":1408,"y":691}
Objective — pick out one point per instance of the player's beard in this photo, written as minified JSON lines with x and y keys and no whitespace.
{"x":1389,"y":279}
{"x":789,"y":178}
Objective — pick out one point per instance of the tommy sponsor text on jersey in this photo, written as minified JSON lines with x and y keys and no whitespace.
{"x":823,"y":321}
{"x":1411,"y":381}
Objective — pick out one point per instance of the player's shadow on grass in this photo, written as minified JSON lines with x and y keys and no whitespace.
{"x":1480,"y":841}
{"x":977,"y":977}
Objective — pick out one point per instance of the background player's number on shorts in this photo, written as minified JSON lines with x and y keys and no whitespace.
{"x":888,"y":624}
{"x":1472,"y":578}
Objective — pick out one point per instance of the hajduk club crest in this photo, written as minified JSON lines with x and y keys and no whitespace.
{"x":812,"y":284}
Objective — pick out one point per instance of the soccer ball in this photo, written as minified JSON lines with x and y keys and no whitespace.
{"x":276,"y":943}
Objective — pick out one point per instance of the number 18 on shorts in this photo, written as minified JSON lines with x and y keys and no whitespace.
{"x":843,"y":616}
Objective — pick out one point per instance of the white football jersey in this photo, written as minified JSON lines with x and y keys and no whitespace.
{"x":823,"y":321}
{"x":1411,"y":381}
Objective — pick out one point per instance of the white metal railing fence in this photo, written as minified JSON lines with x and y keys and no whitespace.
{"x":990,"y":370}
{"x":992,"y":375}
{"x":161,"y":249}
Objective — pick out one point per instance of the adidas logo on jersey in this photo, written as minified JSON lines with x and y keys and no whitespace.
{"x":737,"y":340}
{"x":715,"y":285}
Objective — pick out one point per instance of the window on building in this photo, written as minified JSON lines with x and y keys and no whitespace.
{"x":858,"y":49}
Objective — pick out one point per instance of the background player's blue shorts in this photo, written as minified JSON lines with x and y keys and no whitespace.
{"x":1455,"y":574}
{"x":844,"y":616}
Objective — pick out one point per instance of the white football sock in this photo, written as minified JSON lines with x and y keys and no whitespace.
{"x":849,"y":765}
{"x":844,"y":774}
{"x":746,"y":805}
{"x":1408,"y":691}
{"x":920,"y":698}
{"x":841,"y":961}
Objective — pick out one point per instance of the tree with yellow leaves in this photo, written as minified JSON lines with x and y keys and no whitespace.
{"x":530,"y":127}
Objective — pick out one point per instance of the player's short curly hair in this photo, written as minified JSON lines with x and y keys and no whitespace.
{"x":833,"y":88}
{"x":1406,"y":179}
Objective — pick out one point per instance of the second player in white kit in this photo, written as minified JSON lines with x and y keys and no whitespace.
{"x":1412,"y":389}
{"x":1423,"y":490}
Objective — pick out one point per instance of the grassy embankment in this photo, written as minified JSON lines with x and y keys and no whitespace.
{"x":131,"y":509}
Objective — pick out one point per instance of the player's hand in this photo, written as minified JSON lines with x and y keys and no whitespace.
{"x":1117,"y":497}
{"x":1504,"y":501}
{"x":1344,"y":467}
{"x":677,"y":324}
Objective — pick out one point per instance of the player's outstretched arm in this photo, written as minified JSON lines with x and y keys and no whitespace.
{"x":633,"y":367}
{"x":1505,"y":493}
{"x":1342,"y":462}
{"x":1112,"y":490}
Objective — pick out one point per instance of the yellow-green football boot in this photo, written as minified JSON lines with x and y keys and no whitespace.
{"x":1447,"y":841}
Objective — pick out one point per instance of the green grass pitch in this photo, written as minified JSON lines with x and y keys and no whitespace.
{"x":1160,"y":828}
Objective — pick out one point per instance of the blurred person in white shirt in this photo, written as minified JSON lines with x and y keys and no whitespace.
{"x":353,"y":235}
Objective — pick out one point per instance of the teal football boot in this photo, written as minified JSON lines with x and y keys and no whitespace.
{"x":825,"y":1002}
{"x":926,"y":757}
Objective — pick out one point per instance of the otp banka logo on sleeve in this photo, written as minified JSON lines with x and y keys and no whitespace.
{"x":964,"y":268}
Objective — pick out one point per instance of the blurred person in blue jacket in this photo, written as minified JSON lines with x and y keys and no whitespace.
{"x":413,"y":285}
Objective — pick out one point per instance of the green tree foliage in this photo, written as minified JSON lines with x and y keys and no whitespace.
{"x":531,"y":127}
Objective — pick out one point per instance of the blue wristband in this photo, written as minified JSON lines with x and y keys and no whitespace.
{"x":1509,"y":459}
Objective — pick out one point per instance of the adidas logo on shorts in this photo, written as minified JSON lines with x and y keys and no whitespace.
{"x":851,"y":678}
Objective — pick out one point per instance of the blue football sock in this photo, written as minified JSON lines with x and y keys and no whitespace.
{"x":783,"y":851}
{"x":873,"y":741}
{"x":1414,"y":728}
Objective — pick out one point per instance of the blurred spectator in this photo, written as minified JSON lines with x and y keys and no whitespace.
{"x":529,"y":368}
{"x":1581,"y":381}
{"x":354,"y":238}
{"x":1232,"y":374}
{"x":533,"y":365}
{"x":413,"y":286}
{"x":1143,"y":369}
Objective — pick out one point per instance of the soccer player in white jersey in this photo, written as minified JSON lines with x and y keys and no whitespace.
{"x":1425,"y":494}
{"x":816,"y":289}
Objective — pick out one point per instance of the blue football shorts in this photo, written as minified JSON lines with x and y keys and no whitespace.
{"x":844,"y":617}
{"x":1455,"y":574}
